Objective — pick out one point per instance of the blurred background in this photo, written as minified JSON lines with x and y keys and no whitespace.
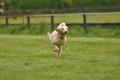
{"x":39,"y":16}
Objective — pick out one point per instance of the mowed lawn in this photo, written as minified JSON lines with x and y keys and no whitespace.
{"x":29,"y":57}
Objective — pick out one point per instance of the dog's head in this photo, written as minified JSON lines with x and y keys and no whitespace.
{"x":62,"y":28}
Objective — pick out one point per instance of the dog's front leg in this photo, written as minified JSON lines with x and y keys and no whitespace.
{"x":60,"y":51}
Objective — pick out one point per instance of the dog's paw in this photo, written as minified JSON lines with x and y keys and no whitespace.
{"x":58,"y":55}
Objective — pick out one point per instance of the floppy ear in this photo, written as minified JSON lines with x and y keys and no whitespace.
{"x":57,"y":29}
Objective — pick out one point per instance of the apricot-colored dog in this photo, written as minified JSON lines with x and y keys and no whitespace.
{"x":58,"y":38}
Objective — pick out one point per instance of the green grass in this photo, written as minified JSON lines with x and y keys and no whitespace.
{"x":26,"y":57}
{"x":101,"y":18}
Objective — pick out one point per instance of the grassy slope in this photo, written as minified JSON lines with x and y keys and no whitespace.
{"x":24,"y":57}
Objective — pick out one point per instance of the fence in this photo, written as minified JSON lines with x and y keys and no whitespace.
{"x":52,"y":16}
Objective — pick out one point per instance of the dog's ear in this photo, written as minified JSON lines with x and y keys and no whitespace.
{"x":57,"y":29}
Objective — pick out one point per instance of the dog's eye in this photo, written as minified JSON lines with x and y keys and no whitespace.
{"x":62,"y":28}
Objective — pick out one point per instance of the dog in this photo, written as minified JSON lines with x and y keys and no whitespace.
{"x":58,"y":37}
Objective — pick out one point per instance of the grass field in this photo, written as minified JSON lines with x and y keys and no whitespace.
{"x":26,"y":57}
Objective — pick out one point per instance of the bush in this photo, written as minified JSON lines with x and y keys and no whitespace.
{"x":75,"y":31}
{"x":42,"y":4}
{"x":94,"y":32}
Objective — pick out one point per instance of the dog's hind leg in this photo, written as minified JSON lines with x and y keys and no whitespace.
{"x":56,"y":48}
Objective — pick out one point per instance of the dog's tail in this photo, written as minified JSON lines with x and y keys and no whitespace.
{"x":48,"y":35}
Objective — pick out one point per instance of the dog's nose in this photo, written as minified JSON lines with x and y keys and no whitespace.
{"x":66,"y":32}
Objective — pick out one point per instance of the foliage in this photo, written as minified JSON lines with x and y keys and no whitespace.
{"x":96,"y":31}
{"x":24,"y":57}
{"x":33,"y":4}
{"x":74,"y":31}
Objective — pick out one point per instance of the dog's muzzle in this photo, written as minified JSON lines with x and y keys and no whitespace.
{"x":65,"y":32}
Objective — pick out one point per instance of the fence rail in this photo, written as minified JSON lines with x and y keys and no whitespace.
{"x":71,"y":14}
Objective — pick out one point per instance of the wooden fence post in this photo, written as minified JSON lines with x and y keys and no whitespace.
{"x":52,"y":20}
{"x":28,"y":20}
{"x":6,"y":19}
{"x":23,"y":15}
{"x":84,"y":20}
